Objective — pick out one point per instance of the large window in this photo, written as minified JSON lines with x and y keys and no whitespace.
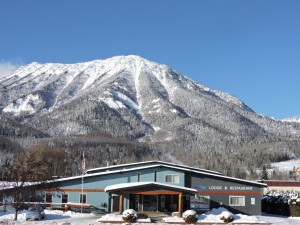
{"x":172,"y":178}
{"x":236,"y":200}
{"x":82,"y":198}
{"x":200,"y":202}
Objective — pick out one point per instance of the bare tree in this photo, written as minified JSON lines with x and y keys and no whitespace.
{"x":30,"y":173}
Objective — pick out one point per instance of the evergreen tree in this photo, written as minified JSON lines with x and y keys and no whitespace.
{"x":264,"y":174}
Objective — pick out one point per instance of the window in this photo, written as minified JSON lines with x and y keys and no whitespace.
{"x":155,"y":176}
{"x":48,"y":197}
{"x":138,"y":177}
{"x":64,"y":198}
{"x":236,"y":200}
{"x":82,"y":198}
{"x":172,"y":178}
{"x":200,"y":202}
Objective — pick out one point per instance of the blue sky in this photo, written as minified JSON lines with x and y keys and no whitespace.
{"x":248,"y":48}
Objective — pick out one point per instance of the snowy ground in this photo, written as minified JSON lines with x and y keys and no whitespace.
{"x":55,"y":217}
{"x":286,"y":166}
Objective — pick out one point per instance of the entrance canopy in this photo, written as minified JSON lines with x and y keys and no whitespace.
{"x":148,"y":188}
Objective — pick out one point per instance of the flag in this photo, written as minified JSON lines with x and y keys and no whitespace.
{"x":83,"y":163}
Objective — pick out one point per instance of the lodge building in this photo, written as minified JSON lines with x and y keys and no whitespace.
{"x":159,"y":186}
{"x":154,"y":186}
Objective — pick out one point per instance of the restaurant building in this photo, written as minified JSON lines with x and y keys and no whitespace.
{"x":159,"y":186}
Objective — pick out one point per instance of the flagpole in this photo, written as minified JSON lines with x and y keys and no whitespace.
{"x":82,"y":170}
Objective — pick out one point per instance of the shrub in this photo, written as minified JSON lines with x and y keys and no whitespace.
{"x":226,"y":216}
{"x":190,"y":216}
{"x":294,"y":205}
{"x":141,"y":215}
{"x":129,"y":216}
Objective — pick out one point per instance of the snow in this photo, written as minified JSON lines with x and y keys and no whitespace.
{"x":288,"y":165}
{"x":137,"y":184}
{"x":189,"y":213}
{"x":156,"y":109}
{"x":126,"y":100}
{"x":129,"y":212}
{"x":156,"y":128}
{"x":56,"y":217}
{"x":22,"y":105}
{"x":113,"y":217}
{"x":293,"y":119}
{"x":94,"y":74}
{"x":228,"y":98}
{"x":174,"y":111}
{"x":51,"y":217}
{"x":114,"y":104}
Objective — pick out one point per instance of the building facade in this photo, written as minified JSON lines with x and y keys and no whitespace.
{"x":157,"y":186}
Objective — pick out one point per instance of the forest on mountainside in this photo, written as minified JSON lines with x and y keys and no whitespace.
{"x":129,"y":109}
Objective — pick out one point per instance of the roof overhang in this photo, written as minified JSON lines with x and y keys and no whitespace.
{"x":148,"y":188}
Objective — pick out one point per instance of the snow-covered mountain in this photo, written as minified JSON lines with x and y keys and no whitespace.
{"x":131,"y":97}
{"x":293,"y":119}
{"x":68,"y":82}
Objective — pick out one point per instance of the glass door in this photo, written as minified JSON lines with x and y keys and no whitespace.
{"x":150,"y":203}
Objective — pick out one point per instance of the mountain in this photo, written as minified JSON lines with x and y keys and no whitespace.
{"x":293,"y":119}
{"x":149,"y":105}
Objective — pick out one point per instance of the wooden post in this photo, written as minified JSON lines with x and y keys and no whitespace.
{"x":180,"y":204}
{"x":121,"y":204}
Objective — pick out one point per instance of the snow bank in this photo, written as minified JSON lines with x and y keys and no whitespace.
{"x":57,"y":217}
{"x":51,"y":216}
{"x":112,"y":217}
{"x":215,"y":216}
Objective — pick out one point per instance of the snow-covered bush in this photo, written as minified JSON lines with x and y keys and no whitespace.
{"x":190,"y":216}
{"x":284,"y":203}
{"x":226,"y":216}
{"x":129,"y":216}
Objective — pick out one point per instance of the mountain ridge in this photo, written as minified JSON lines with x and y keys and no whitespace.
{"x":142,"y":101}
{"x":118,"y":63}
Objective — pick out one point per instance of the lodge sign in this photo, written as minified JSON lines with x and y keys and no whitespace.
{"x":224,"y":187}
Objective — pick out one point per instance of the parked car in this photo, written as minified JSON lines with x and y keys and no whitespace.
{"x":35,"y":213}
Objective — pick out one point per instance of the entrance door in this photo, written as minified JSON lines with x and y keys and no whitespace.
{"x":115,"y":203}
{"x":150,"y":203}
{"x":162,"y":203}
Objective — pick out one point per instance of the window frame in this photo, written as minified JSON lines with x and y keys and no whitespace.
{"x":172,"y":178}
{"x":243,"y":203}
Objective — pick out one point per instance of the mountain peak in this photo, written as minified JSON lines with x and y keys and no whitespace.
{"x":36,"y":87}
